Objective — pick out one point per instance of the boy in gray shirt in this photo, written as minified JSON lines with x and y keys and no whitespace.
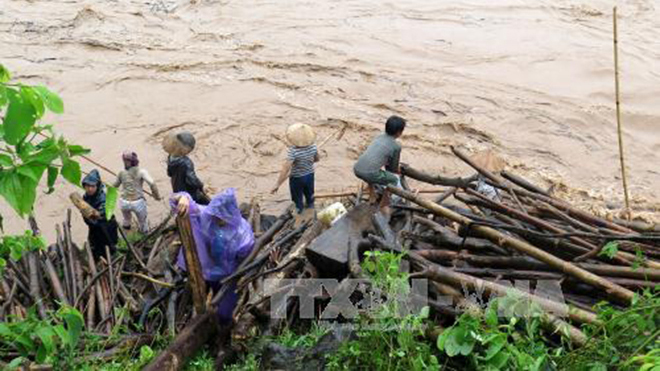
{"x":384,"y":151}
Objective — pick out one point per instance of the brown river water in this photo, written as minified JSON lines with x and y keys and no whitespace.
{"x":532,"y":80}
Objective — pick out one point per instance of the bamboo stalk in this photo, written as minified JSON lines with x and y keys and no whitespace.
{"x":624,"y":180}
{"x":614,"y":291}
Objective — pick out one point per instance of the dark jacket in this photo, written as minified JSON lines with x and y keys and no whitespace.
{"x":181,"y":171}
{"x":102,"y":232}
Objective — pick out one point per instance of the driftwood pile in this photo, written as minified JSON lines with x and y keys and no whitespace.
{"x":466,"y":242}
{"x":136,"y":282}
{"x":483,"y":233}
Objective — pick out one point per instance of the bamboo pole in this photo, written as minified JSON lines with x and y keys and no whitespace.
{"x":614,"y":291}
{"x":618,"y":112}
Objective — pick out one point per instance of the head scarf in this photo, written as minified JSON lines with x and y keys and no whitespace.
{"x":130,"y":159}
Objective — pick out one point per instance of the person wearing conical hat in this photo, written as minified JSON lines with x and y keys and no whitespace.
{"x":299,"y":166}
{"x":383,"y":152}
{"x":180,"y":167}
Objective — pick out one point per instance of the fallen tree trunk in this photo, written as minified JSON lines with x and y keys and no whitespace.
{"x":186,"y":344}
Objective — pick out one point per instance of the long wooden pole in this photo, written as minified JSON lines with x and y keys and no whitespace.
{"x":618,"y":113}
{"x":193,"y":266}
{"x":614,"y":291}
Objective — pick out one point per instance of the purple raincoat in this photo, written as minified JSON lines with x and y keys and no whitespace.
{"x":220,"y":248}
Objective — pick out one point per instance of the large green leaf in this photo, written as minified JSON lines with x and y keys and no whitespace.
{"x":18,"y":190}
{"x":52,"y":100}
{"x":110,"y":202}
{"x":30,"y":95}
{"x":71,"y":171}
{"x":19,"y":119}
{"x":74,"y":325}
{"x":4,"y":74}
{"x":32,"y":170}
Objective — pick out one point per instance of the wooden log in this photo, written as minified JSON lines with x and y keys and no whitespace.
{"x":54,"y":279}
{"x":186,"y":344}
{"x":35,"y":290}
{"x":542,"y":224}
{"x":523,"y":262}
{"x":193,"y":266}
{"x":438,"y":273}
{"x":521,"y":182}
{"x":66,"y":229}
{"x":103,"y":310}
{"x":85,"y":209}
{"x":615,"y":292}
{"x":445,"y":236}
{"x":409,"y":171}
{"x":91,"y":311}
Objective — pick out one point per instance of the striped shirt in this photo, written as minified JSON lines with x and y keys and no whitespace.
{"x":303,"y":160}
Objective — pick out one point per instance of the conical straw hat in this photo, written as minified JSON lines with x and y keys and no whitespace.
{"x":179,"y":144}
{"x":300,"y":135}
{"x":489,"y":160}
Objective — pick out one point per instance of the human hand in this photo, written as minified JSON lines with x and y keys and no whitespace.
{"x":183,"y":206}
{"x":274,"y":190}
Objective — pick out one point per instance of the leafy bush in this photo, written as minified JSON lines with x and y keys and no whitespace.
{"x":387,"y":341}
{"x":50,"y":340}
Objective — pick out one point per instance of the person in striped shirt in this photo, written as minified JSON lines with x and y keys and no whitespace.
{"x":299,"y":166}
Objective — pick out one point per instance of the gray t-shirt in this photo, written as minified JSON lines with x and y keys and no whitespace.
{"x":385,"y":151}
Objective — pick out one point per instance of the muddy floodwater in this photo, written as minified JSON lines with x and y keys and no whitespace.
{"x":532,"y":80}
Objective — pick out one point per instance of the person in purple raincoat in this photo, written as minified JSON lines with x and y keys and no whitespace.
{"x":222,"y":237}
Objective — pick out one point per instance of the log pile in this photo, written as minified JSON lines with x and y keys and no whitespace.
{"x":484,"y":233}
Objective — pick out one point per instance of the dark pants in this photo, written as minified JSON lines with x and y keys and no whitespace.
{"x":302,"y":186}
{"x":101,"y":234}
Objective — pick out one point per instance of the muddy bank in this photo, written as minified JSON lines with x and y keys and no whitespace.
{"x":531,"y":79}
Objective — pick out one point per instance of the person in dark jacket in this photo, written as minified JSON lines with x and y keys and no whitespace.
{"x":180,"y":167}
{"x":102,"y":232}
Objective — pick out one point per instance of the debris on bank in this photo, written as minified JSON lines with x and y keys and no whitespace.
{"x":482,"y":233}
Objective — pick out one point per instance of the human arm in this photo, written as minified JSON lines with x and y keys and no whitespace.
{"x":117,"y":182}
{"x":284,"y":174}
{"x":191,"y":177}
{"x":394,"y":166}
{"x":150,"y":181}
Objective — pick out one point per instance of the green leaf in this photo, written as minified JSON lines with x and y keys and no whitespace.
{"x":499,"y":360}
{"x":46,"y":155}
{"x":496,"y":344}
{"x":6,"y":161}
{"x":4,"y":74}
{"x":19,"y":119}
{"x":16,"y":362}
{"x":71,"y":171}
{"x":33,"y":171}
{"x":76,"y":150}
{"x":10,"y":189}
{"x":62,"y":334}
{"x":610,"y":249}
{"x":46,"y":335}
{"x":3,"y":95}
{"x":74,"y":324}
{"x":52,"y":177}
{"x":30,"y":95}
{"x":42,"y":354}
{"x":110,"y":202}
{"x":53,"y":101}
{"x":5,"y":330}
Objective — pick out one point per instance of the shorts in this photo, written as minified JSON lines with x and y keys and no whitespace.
{"x":382,"y":177}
